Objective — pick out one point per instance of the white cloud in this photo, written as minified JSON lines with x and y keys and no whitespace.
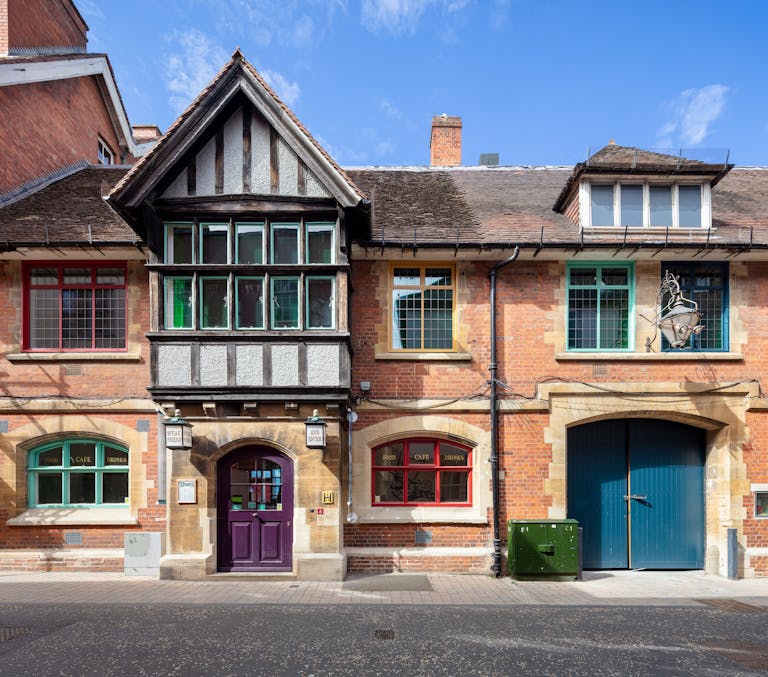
{"x":193,"y":61}
{"x":385,"y":148}
{"x":692,"y":115}
{"x":89,"y":9}
{"x":390,"y":109}
{"x":402,"y":16}
{"x":289,"y":92}
{"x":303,"y":31}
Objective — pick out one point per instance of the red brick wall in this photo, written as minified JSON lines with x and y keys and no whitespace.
{"x":445,"y":141}
{"x":49,"y":125}
{"x":45,"y":23}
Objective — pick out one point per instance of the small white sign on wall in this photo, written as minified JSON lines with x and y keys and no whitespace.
{"x":187,"y":491}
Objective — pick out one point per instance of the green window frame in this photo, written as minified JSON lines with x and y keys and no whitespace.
{"x":178,"y":302}
{"x":280,"y":255}
{"x":249,"y":302}
{"x":320,"y":241}
{"x":320,"y":306}
{"x":600,"y":307}
{"x":214,"y":242}
{"x":286,"y":302}
{"x":79,"y":472}
{"x":179,"y":243}
{"x":249,"y":242}
{"x":214,"y":301}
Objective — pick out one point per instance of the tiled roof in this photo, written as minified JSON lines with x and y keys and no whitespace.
{"x":505,"y":205}
{"x":618,"y":157}
{"x":70,"y":210}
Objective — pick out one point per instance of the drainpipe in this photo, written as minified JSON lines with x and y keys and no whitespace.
{"x":496,"y":566}
{"x":351,"y":418}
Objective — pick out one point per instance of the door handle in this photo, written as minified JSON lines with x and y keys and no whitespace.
{"x":637,"y":497}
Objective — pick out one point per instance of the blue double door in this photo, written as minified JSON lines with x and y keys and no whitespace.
{"x":636,"y":486}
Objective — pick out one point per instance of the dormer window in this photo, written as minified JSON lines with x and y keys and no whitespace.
{"x":636,"y":204}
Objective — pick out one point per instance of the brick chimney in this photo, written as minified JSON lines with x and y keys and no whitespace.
{"x":146,"y":133}
{"x":445,"y":141}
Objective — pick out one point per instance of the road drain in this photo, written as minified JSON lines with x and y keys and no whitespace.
{"x":732,"y":605}
{"x":10,"y":633}
{"x":384,"y":634}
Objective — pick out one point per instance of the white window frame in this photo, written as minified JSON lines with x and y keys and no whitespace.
{"x":105,"y":153}
{"x":585,"y":203}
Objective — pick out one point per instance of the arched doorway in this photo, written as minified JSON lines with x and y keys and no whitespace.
{"x":255,"y":510}
{"x":636,"y":486}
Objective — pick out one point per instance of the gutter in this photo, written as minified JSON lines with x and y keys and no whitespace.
{"x":496,"y":566}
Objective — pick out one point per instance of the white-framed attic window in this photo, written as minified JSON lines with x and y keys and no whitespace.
{"x":105,"y":154}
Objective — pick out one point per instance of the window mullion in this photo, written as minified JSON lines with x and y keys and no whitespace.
{"x":617,"y":205}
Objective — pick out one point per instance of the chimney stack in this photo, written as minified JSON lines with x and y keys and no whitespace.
{"x":146,"y":133}
{"x":445,"y":141}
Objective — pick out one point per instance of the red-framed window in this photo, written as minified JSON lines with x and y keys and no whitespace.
{"x":75,"y":306}
{"x":421,"y":471}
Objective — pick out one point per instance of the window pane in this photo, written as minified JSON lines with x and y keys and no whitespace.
{"x":421,"y":453}
{"x":450,"y":455}
{"x":690,"y":206}
{"x":114,"y":456}
{"x":602,"y":205}
{"x":407,"y":277}
{"x":77,"y":276}
{"x":250,"y":303}
{"x":631,"y":205}
{"x":178,"y":303}
{"x":44,"y":318}
{"x":76,"y":318}
{"x":421,"y":486}
{"x":250,"y":243}
{"x":50,"y":457}
{"x":82,"y":454}
{"x":453,"y":487}
{"x":711,"y":309}
{"x":82,"y":487}
{"x":285,"y":303}
{"x":214,"y":303}
{"x":215,"y":243}
{"x":44,"y":276}
{"x":49,"y":488}
{"x":114,"y":276}
{"x":319,"y":244}
{"x":178,"y":244}
{"x":285,"y":244}
{"x":582,"y":319}
{"x":320,"y":306}
{"x":406,"y":323}
{"x":114,"y":487}
{"x":392,"y":454}
{"x":583,"y":276}
{"x":615,"y":276}
{"x":614,"y":312}
{"x":661,"y":205}
{"x":110,"y":318}
{"x":438,"y":319}
{"x":437,"y":277}
{"x":388,"y":486}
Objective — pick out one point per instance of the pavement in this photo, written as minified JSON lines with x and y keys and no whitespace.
{"x":599,"y":588}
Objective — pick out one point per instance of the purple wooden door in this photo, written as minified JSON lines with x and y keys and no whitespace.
{"x":255,"y":511}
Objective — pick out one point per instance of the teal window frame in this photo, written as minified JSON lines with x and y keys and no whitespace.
{"x":273,"y":301}
{"x":320,"y":227}
{"x":308,"y":301}
{"x":602,"y":290}
{"x":249,"y":224}
{"x":171,"y":311}
{"x":284,"y":225}
{"x":66,"y":470}
{"x":201,"y":253}
{"x":168,"y":250}
{"x":238,"y":278}
{"x":202,"y":279}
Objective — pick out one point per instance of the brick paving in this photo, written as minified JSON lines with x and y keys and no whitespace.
{"x":616,"y":588}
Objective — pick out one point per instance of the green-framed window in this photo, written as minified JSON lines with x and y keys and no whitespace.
{"x":78,"y":473}
{"x":320,"y":242}
{"x":179,"y":243}
{"x":285,"y":243}
{"x":249,"y":301}
{"x":707,"y":284}
{"x":214,"y":243}
{"x":214,"y":302}
{"x":285,"y":302}
{"x":178,"y":302}
{"x":249,"y":242}
{"x":600,"y":306}
{"x":321,"y":302}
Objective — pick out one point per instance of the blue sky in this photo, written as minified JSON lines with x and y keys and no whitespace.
{"x":538,"y":81}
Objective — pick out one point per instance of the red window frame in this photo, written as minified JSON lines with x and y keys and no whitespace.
{"x":60,"y":286}
{"x":407,"y":466}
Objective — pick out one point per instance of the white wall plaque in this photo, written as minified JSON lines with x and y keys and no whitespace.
{"x":187,"y":491}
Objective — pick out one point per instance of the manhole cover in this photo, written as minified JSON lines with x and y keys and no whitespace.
{"x":732,"y":605}
{"x":384,"y":634}
{"x":745,"y":654}
{"x":10,"y":633}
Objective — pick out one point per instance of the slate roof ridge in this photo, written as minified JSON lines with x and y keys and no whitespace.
{"x":63,"y":56}
{"x":467,"y":168}
{"x":39,"y":182}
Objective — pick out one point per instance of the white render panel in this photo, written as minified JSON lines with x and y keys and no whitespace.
{"x":250,"y":365}
{"x":213,"y":365}
{"x":322,"y":365}
{"x":179,"y":187}
{"x":314,"y":187}
{"x":285,"y":364}
{"x":205,"y":175}
{"x":259,"y":156}
{"x":233,"y":153}
{"x":289,"y":169}
{"x":174,"y":365}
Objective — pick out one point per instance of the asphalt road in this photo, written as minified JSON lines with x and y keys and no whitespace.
{"x":221,"y":640}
